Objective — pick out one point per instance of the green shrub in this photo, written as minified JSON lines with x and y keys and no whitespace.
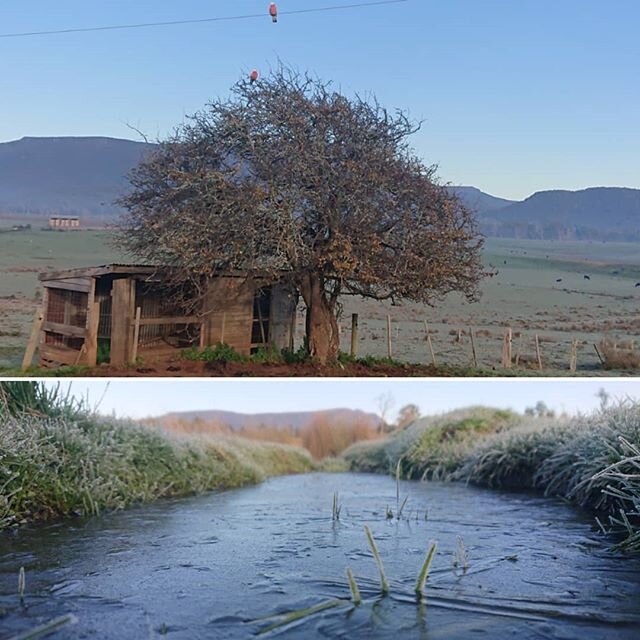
{"x":222,"y":352}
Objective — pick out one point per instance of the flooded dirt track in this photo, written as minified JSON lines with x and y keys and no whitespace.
{"x":226,"y":565}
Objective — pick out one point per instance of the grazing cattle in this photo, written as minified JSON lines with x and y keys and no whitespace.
{"x":505,"y":262}
{"x":559,"y":280}
{"x":586,"y":277}
{"x":637,"y":284}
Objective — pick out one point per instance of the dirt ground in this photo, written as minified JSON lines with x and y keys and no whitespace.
{"x":189,"y":368}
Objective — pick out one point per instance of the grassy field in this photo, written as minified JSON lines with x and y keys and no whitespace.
{"x":57,"y":458}
{"x":592,"y":461}
{"x":523,"y":294}
{"x":23,"y":255}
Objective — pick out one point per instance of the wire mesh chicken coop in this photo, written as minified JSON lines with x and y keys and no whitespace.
{"x":116,"y":313}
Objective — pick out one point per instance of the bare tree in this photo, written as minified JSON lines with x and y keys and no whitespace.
{"x":408,"y":414}
{"x":289,"y":179}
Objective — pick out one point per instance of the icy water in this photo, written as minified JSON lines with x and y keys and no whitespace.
{"x":225,"y":565}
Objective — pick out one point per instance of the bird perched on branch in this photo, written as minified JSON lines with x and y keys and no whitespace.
{"x":253,"y":76}
{"x":273,"y":12}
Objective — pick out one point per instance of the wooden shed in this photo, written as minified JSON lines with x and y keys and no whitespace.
{"x":118,"y":313}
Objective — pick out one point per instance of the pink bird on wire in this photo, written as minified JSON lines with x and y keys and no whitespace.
{"x":273,"y":12}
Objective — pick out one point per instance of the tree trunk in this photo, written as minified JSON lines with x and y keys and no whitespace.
{"x":321,"y":324}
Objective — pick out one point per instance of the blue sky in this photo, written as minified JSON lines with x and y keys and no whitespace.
{"x":517,"y":95}
{"x":142,"y":398}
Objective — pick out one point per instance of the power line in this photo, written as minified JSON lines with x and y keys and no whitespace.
{"x":144,"y":25}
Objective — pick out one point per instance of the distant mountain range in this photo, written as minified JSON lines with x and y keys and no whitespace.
{"x":84,"y":176}
{"x":297,"y":421}
{"x":72,"y":176}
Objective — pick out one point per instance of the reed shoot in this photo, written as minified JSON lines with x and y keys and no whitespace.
{"x":384,"y":585}
{"x":460,"y":556}
{"x":337,"y":507}
{"x":424,"y":572}
{"x":21,"y":585}
{"x":353,"y":585}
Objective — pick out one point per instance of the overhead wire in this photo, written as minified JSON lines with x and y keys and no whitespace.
{"x":144,"y":25}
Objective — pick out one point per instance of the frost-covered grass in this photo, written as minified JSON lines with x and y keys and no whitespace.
{"x":592,"y":461}
{"x":74,"y":462}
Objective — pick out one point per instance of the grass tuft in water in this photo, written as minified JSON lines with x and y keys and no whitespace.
{"x":384,"y":585}
{"x":21,"y":585}
{"x":424,"y":572}
{"x":336,"y":508}
{"x":353,"y":586}
{"x":460,"y":556}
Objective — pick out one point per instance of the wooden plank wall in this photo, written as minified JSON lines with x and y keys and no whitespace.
{"x":229,"y":302}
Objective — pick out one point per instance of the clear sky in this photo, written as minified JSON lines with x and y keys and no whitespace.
{"x":517,"y":95}
{"x":142,"y":398}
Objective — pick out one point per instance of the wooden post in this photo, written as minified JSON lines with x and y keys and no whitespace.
{"x":136,"y":335}
{"x":473,"y":348}
{"x":389,"y":352}
{"x":538,"y":354}
{"x":573,"y":358}
{"x":354,"y":335}
{"x":519,"y":349}
{"x":507,"y":343}
{"x":122,"y":310}
{"x":429,"y":343}
{"x":36,"y":328}
{"x":222,"y":327}
{"x":91,"y":337}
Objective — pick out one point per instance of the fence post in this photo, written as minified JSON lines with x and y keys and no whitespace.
{"x":433,"y":355}
{"x":519,"y":349}
{"x":573,"y":358}
{"x":507,"y":342}
{"x":354,"y":335}
{"x":538,"y":354}
{"x":473,"y":348}
{"x":36,"y":328}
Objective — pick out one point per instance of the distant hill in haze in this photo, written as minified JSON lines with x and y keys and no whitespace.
{"x":479,"y":201}
{"x":297,"y":421}
{"x":595,"y":213}
{"x":84,"y":176}
{"x":72,"y":176}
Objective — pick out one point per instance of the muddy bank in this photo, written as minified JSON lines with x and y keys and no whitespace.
{"x":222,"y":565}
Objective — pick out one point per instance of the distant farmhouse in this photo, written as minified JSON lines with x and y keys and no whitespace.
{"x":64,"y":223}
{"x":116,"y":313}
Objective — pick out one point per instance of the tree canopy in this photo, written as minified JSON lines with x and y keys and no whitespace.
{"x":290,"y":179}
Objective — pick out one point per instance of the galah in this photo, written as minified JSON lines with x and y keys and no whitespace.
{"x":254,"y":76}
{"x":273,"y":11}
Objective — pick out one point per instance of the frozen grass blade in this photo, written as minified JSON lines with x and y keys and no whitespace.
{"x":47,"y":628}
{"x":398,"y":469}
{"x":336,"y":507}
{"x":353,"y":585}
{"x":404,"y":502}
{"x":21,"y":585}
{"x":384,"y":585}
{"x":424,"y":572}
{"x":300,"y":614}
{"x":460,"y":556}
